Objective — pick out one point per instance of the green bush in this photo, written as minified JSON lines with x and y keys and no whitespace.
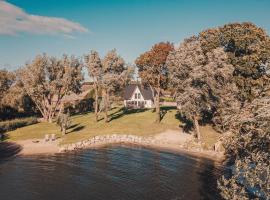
{"x":64,"y":122}
{"x":167,"y":99}
{"x":10,"y":125}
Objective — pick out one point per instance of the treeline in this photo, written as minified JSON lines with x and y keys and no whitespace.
{"x":222,"y":76}
{"x":40,"y":86}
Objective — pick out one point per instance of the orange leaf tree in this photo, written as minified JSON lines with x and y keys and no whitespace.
{"x":153,"y":70}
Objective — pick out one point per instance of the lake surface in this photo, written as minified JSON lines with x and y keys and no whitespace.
{"x":113,"y":173}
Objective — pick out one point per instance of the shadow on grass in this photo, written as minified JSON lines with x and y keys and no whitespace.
{"x":168,"y":108}
{"x":9,"y":149}
{"x":76,"y":128}
{"x":187,"y":123}
{"x":165,"y":109}
{"x":123,"y":111}
{"x":3,"y":136}
{"x":100,"y":119}
{"x":120,"y":112}
{"x":73,"y":126}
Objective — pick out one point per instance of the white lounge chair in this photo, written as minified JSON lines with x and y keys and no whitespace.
{"x":47,"y":138}
{"x":53,"y":137}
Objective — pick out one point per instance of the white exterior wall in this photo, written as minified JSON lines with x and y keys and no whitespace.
{"x":148,"y":104}
{"x":133,"y":95}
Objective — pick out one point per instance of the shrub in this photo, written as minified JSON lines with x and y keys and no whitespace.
{"x":64,"y":122}
{"x":167,"y":99}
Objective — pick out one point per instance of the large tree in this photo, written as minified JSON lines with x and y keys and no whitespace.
{"x":225,"y":70}
{"x":115,"y":75}
{"x":248,"y":49}
{"x":17,"y":100}
{"x":202,"y":81}
{"x":95,"y":72}
{"x":248,"y":147}
{"x":48,"y":79}
{"x":6,"y":80}
{"x":153,"y":71}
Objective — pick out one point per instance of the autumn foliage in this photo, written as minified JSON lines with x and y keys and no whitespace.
{"x":153,"y":70}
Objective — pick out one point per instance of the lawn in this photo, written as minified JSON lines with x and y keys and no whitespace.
{"x":136,"y":122}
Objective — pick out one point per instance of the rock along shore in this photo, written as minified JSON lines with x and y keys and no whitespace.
{"x":152,"y":142}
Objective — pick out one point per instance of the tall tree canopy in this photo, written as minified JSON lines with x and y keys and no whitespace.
{"x":248,"y":146}
{"x":248,"y":49}
{"x":95,"y":72}
{"x":6,"y":80}
{"x":225,"y":71}
{"x":153,"y":70}
{"x":48,"y":79}
{"x":115,"y":75}
{"x":202,"y":81}
{"x":14,"y":102}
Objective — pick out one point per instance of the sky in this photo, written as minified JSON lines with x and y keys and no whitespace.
{"x":74,"y":27}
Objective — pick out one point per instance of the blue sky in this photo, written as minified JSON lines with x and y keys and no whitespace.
{"x":130,"y":26}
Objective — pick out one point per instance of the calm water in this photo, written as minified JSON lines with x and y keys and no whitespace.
{"x":113,"y":173}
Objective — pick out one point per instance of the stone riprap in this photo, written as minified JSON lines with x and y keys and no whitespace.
{"x":110,"y":139}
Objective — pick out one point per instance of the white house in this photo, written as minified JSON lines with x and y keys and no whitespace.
{"x":136,"y":96}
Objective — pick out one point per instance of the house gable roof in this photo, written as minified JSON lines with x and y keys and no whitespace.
{"x":129,"y":90}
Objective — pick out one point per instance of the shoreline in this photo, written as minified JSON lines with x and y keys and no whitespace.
{"x":170,"y":141}
{"x":207,"y":154}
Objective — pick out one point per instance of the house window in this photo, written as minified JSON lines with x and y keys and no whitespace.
{"x":135,"y":95}
{"x":139,"y":95}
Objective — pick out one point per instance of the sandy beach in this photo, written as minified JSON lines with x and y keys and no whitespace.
{"x":172,"y":141}
{"x":32,"y":147}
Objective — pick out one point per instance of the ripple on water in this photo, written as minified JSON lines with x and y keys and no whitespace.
{"x":113,"y":172}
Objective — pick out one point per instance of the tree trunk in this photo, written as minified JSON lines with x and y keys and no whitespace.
{"x":61,"y":110}
{"x":46,"y":116}
{"x":197,"y":128}
{"x":154,"y":97}
{"x":50,"y":119}
{"x":106,"y":106}
{"x":158,"y":118}
{"x":96,"y":103}
{"x":63,"y":131}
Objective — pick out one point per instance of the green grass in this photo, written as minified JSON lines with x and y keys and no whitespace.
{"x":140,"y":122}
{"x":167,"y":99}
{"x":13,"y":124}
{"x":135,"y":122}
{"x":209,"y":136}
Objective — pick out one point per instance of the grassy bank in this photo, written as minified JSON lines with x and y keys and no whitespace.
{"x":135,"y":122}
{"x":10,"y":125}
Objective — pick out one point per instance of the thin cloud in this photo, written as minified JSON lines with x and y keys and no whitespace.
{"x":14,"y":20}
